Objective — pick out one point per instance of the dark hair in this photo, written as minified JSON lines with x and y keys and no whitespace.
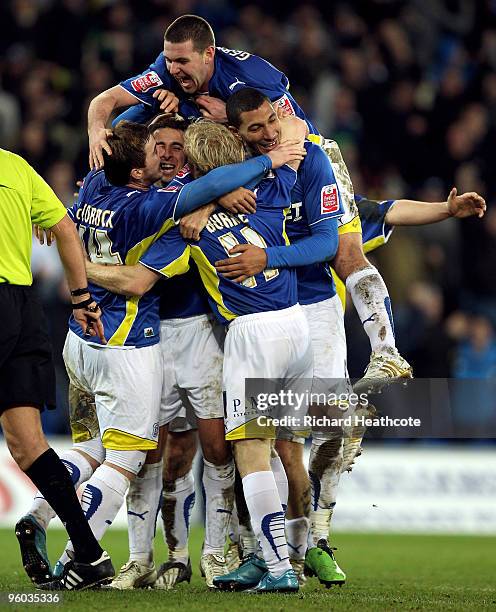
{"x":161,"y":122}
{"x":191,"y":27}
{"x":127,"y":141}
{"x":243,"y":101}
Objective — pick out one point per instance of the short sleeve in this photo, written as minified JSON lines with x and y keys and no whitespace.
{"x":321,"y":192}
{"x":143,"y":85}
{"x":46,"y":209}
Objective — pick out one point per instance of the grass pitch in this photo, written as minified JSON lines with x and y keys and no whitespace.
{"x":385,"y":572}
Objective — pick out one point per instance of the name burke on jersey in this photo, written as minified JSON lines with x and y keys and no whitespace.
{"x":95,"y":216}
{"x":220,"y":220}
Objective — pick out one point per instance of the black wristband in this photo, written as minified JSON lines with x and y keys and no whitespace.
{"x":78,"y":292}
{"x":85,"y":304}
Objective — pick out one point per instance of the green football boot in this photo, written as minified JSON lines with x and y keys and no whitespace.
{"x":287,"y":583}
{"x":320,"y":562}
{"x":32,"y":542}
{"x":248,"y":575}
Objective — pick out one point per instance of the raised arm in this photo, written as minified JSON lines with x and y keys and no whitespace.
{"x":413,"y":212}
{"x":99,"y":113}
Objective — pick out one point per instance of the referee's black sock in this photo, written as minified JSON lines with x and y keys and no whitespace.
{"x":52,"y":478}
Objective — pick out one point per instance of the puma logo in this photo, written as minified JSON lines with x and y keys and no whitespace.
{"x":236,"y":82}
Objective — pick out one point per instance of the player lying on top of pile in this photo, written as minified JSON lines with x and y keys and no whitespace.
{"x":119,"y":214}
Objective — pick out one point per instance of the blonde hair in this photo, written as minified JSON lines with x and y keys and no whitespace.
{"x":208,"y":145}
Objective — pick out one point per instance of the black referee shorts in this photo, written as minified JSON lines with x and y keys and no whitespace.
{"x":27,"y":375}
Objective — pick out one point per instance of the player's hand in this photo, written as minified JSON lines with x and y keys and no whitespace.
{"x":44,"y":234}
{"x":192,"y":224}
{"x":89,"y":317}
{"x":466,"y":205}
{"x":169,"y":102}
{"x":240,"y":200}
{"x":293,"y":128}
{"x":286,"y":152}
{"x":245,"y":260}
{"x":212,"y":108}
{"x":98,"y":143}
{"x":79,"y":184}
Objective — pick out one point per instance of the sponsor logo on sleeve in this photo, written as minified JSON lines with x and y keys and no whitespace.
{"x":146,"y":81}
{"x":285,"y":104}
{"x":169,"y":188}
{"x":329,"y":199}
{"x":185,"y":170}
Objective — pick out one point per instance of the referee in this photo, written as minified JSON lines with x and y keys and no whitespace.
{"x":27,"y":378}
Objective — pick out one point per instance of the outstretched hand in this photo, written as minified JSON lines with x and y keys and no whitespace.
{"x":466,"y":205}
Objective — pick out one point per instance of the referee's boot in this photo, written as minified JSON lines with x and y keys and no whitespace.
{"x":78,"y":576}
{"x":383,"y":369}
{"x":32,"y":542}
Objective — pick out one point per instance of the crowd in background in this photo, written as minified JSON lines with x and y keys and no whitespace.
{"x":407,"y":88}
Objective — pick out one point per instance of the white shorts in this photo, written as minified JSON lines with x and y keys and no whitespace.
{"x":192,"y":357}
{"x":126,"y":385}
{"x":327,"y":333}
{"x":265,"y":345}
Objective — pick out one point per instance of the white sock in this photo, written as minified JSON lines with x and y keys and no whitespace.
{"x":371,"y":299}
{"x":101,"y":500}
{"x":297,"y":535}
{"x":324,"y":469}
{"x":80,"y":471}
{"x":143,"y":503}
{"x":267,"y":520}
{"x":218,"y":484}
{"x":281,"y":480}
{"x":178,"y":499}
{"x":233,"y":530}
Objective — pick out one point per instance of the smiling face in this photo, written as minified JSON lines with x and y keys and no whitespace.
{"x":170,"y":150}
{"x":260,"y":129}
{"x":192,"y":69}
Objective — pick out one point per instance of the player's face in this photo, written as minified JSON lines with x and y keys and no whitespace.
{"x":190,"y":68}
{"x":170,"y":150}
{"x":260,"y":129}
{"x":151,"y":171}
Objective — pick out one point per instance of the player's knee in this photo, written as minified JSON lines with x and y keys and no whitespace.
{"x":128,"y":462}
{"x":217,"y":452}
{"x":92,"y":450}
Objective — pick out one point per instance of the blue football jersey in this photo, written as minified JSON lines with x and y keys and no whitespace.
{"x":233,"y":70}
{"x":266,"y":291}
{"x":314,"y":197}
{"x":375,"y":230}
{"x":116,"y":225}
